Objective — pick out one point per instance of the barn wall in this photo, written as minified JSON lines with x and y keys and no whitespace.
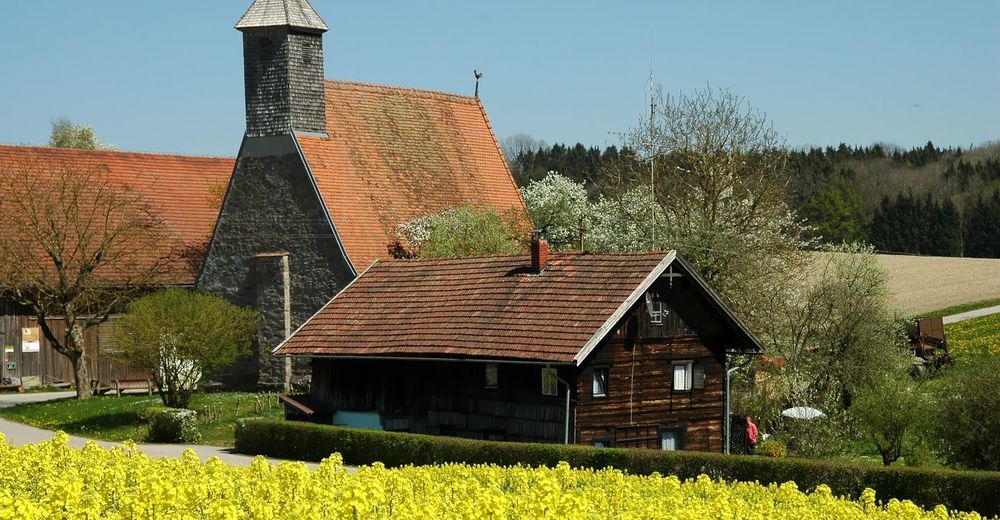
{"x":445,"y":398}
{"x":48,"y":364}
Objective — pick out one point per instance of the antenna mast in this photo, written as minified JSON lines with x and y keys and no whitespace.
{"x":652,"y":151}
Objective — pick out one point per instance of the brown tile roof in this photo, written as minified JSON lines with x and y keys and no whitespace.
{"x":488,"y":307}
{"x":393,"y":154}
{"x":186,"y":191}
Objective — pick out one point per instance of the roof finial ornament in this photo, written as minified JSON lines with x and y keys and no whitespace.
{"x":478,"y":75}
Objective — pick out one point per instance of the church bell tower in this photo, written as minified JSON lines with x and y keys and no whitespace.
{"x":283,"y":68}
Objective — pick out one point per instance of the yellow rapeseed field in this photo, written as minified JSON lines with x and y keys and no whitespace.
{"x":53,"y":480}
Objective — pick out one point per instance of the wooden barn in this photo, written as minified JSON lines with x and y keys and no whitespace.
{"x":624,"y":350}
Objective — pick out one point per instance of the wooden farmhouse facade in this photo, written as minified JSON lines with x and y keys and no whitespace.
{"x":623,"y":350}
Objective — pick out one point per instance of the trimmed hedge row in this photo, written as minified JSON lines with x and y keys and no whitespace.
{"x":958,"y":490}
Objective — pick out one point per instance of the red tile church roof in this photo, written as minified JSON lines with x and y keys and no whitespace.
{"x":393,"y":154}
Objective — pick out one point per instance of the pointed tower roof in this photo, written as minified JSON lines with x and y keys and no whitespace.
{"x":281,"y":13}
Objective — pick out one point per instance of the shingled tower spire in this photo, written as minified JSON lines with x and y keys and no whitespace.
{"x":283,"y":67}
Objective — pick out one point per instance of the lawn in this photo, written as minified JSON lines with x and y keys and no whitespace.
{"x":975,"y":337}
{"x":114,"y":418}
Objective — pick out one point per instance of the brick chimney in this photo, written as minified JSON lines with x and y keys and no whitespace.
{"x":539,"y":253}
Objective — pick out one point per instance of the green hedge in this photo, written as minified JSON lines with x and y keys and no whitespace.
{"x":172,"y":425}
{"x":960,"y":490}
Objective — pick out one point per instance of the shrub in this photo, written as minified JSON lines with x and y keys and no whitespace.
{"x":964,"y":490}
{"x":773,"y":449}
{"x":172,"y":425}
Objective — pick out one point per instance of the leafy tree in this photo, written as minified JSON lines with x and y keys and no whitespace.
{"x":885,"y":412}
{"x":465,"y":231}
{"x":560,"y":205}
{"x":180,"y":335}
{"x":835,"y":213}
{"x":724,"y":185}
{"x":967,"y":419}
{"x":838,"y":335}
{"x":74,"y":245}
{"x":65,"y":134}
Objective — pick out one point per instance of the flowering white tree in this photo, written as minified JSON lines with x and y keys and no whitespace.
{"x":560,"y":205}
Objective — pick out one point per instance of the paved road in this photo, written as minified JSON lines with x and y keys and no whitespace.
{"x":18,"y":434}
{"x":962,"y":316}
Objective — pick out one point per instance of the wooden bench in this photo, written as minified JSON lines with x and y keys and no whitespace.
{"x":121,"y":385}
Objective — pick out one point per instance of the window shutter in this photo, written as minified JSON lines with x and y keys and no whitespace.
{"x":698,"y":377}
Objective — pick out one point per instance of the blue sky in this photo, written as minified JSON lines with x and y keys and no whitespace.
{"x":167,"y":76}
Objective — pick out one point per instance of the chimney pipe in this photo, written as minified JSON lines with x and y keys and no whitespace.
{"x":539,"y":253}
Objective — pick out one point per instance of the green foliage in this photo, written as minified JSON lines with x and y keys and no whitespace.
{"x":65,"y":134}
{"x":886,"y":411}
{"x":839,"y":333}
{"x":967,"y":419}
{"x":771,"y":448}
{"x":982,"y":226}
{"x":173,"y":425}
{"x":971,"y":491}
{"x":836,"y":213}
{"x":461,"y":232}
{"x":919,"y":225}
{"x":179,"y":335}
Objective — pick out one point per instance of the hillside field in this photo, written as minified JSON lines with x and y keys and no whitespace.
{"x":922,"y":284}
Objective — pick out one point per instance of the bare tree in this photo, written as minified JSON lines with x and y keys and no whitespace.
{"x":517,"y":144}
{"x":719,"y":172}
{"x":76,"y":245}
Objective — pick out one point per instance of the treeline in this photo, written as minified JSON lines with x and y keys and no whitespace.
{"x":925,"y":200}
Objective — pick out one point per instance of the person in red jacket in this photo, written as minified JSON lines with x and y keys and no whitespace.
{"x":751,"y":435}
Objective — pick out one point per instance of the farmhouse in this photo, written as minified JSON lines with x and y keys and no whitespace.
{"x":326,"y":172}
{"x":621,"y":350}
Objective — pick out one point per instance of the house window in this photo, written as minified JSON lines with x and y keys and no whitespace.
{"x":491,"y":376}
{"x":600,"y":387}
{"x":688,"y":376}
{"x":670,"y":439}
{"x":654,"y":307}
{"x":602,"y":442}
{"x":682,"y":376}
{"x":550,"y":384}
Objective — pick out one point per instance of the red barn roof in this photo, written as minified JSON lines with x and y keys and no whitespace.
{"x":393,"y":154}
{"x":186,"y":191}
{"x":487,"y":308}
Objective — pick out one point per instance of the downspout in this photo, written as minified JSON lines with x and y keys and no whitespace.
{"x":728,"y":421}
{"x":566,"y":434}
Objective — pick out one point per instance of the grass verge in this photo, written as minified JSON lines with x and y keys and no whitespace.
{"x":113,"y":418}
{"x":965,"y":307}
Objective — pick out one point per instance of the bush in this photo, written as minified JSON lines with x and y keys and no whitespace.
{"x":172,"y":425}
{"x":773,"y":449}
{"x":964,"y":490}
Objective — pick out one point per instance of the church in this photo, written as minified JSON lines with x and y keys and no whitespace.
{"x":326,"y":172}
